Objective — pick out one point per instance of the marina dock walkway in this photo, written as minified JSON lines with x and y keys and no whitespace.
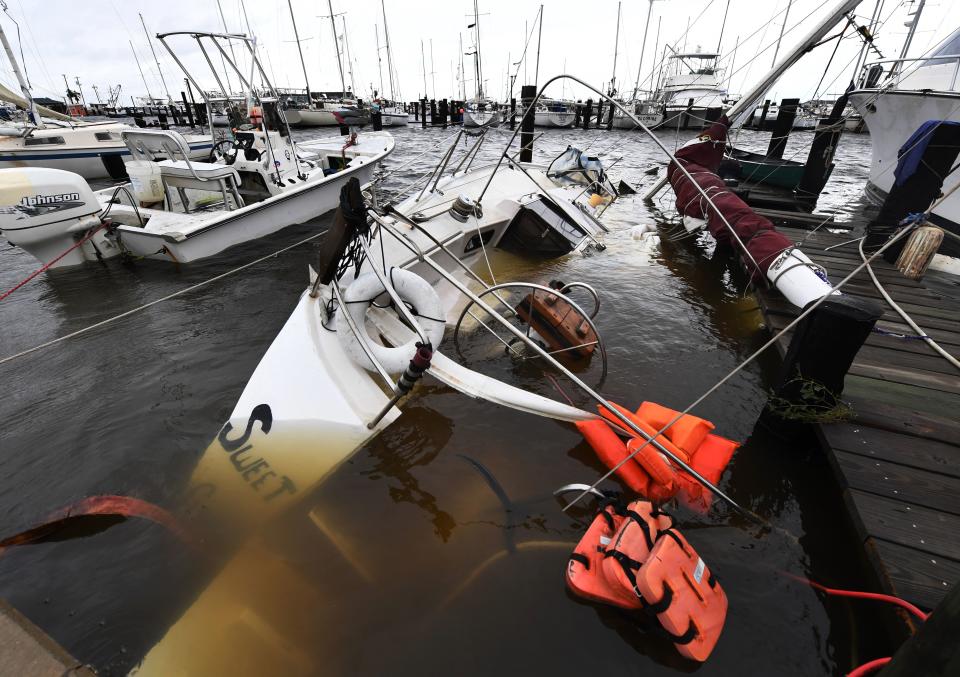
{"x":898,"y":458}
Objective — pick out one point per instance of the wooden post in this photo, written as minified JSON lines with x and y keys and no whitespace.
{"x":376,"y":119}
{"x":819,"y":163}
{"x":713,"y":114}
{"x":917,"y":254}
{"x":433,"y":111}
{"x":186,"y":105}
{"x":587,"y":113}
{"x":577,"y":114}
{"x":763,"y":116}
{"x":821,"y":351}
{"x":423,"y":113}
{"x":610,"y":117}
{"x":685,"y":118}
{"x":782,"y":128}
{"x":444,"y":112}
{"x":527,"y":94}
{"x":513,"y":113}
{"x":599,"y":112}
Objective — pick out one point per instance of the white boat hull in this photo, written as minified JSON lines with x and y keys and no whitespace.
{"x":649,"y":120}
{"x":554,"y":119}
{"x":85,"y":160}
{"x":310,"y":118}
{"x":481,"y":118}
{"x":891,"y":119}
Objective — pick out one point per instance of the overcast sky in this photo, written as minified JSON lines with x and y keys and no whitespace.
{"x":90,"y":40}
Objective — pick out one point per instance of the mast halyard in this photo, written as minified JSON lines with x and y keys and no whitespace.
{"x":156,"y":60}
{"x":776,"y":50}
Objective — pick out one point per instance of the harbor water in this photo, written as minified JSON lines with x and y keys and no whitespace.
{"x":438,"y":548}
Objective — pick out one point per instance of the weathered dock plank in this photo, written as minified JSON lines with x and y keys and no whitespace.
{"x":898,"y":459}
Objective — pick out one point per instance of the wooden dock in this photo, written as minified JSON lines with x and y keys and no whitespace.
{"x":898,"y":459}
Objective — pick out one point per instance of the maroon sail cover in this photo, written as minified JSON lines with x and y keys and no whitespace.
{"x":701,"y":158}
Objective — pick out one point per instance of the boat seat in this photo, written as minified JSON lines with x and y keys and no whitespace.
{"x":177,"y":170}
{"x":202,"y":171}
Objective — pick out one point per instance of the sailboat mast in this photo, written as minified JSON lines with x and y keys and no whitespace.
{"x":463,"y":86}
{"x":336,"y":46}
{"x":155,"y":59}
{"x":376,"y":35}
{"x":643,"y":49}
{"x":137,"y":59}
{"x":24,"y":88}
{"x":723,"y":25}
{"x":536,"y":72}
{"x":386,"y":37}
{"x":226,"y":71}
{"x":782,"y":27}
{"x":346,"y":46}
{"x":433,"y":73}
{"x":616,"y":49}
{"x":476,"y":57}
{"x":303,"y":64}
{"x":423,"y":66}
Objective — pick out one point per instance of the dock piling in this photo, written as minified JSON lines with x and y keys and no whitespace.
{"x":587,"y":113}
{"x":527,"y":95}
{"x":782,"y":128}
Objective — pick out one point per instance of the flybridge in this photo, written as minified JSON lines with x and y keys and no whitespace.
{"x":34,"y":200}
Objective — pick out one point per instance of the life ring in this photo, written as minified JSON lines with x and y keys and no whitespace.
{"x":416,"y":292}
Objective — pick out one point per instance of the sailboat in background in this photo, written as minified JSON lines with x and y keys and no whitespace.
{"x":94,"y":150}
{"x":392,"y":113}
{"x":645,"y":109}
{"x":326,"y":111}
{"x":480,"y":111}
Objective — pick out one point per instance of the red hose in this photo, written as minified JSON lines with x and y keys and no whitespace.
{"x":869,"y":668}
{"x":50,"y":263}
{"x":863,"y":595}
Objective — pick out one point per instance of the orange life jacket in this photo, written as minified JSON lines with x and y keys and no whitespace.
{"x":650,"y":473}
{"x":631,"y":557}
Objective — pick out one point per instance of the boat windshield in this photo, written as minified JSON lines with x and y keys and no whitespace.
{"x":939,"y":71}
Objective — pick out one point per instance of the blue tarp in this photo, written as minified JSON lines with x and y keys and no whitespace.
{"x":912,"y":152}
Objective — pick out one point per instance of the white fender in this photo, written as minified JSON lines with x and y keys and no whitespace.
{"x":411,"y":288}
{"x":793,"y":274}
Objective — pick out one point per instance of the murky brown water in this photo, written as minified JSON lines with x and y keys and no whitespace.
{"x":438,"y":547}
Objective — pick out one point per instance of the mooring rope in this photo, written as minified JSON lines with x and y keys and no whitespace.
{"x":175,"y":294}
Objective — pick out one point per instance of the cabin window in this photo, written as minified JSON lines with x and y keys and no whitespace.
{"x":474,"y":242}
{"x":104,"y":136}
{"x":949,"y":48}
{"x":42,"y":140}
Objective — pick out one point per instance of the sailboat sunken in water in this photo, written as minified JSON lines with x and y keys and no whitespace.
{"x":398,"y":287}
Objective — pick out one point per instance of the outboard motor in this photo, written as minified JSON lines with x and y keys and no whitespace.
{"x":46,"y":211}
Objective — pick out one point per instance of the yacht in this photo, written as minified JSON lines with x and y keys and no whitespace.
{"x":897,"y":106}
{"x":691,"y":90}
{"x":554,"y":113}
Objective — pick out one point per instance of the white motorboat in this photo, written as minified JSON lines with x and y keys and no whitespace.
{"x":179,"y":209}
{"x":393,"y":115}
{"x":553,"y":113}
{"x":927,"y":90}
{"x":326,"y":385}
{"x":691,"y":90}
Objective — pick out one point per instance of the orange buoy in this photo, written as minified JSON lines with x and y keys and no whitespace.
{"x":631,"y":557}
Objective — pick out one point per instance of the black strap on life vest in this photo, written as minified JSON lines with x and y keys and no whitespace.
{"x":642,"y":523}
{"x":672,"y":534}
{"x":583,"y":559}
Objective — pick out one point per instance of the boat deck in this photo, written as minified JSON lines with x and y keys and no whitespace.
{"x":898,"y":459}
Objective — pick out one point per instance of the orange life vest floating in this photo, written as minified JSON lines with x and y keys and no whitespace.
{"x":631,"y":557}
{"x":650,"y":473}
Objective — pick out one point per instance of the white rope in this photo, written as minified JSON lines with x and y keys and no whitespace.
{"x":155,"y":302}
